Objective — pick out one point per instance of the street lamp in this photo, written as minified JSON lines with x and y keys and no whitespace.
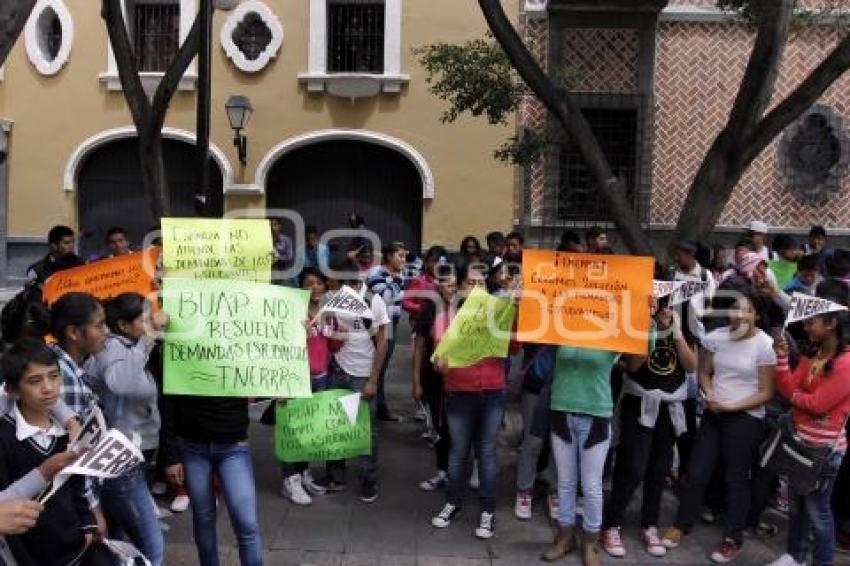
{"x":239,"y":111}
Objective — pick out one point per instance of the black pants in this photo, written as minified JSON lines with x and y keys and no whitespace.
{"x":643,"y":454}
{"x":434,"y":395}
{"x":732,"y":438}
{"x":763,"y":484}
{"x":685,"y":442}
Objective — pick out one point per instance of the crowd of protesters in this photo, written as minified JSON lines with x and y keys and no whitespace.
{"x":721,"y":373}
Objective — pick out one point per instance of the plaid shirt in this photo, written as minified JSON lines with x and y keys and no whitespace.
{"x":76,"y":392}
{"x":80,"y":398}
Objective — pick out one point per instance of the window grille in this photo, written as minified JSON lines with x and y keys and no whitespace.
{"x":356,"y":37}
{"x":579,"y":197}
{"x":156,"y":34}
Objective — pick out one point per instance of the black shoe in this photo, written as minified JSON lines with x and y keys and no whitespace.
{"x":369,"y":492}
{"x":330,"y":485}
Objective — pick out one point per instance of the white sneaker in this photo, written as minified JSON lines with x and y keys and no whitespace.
{"x":159,"y":488}
{"x":652,"y":543}
{"x":554,"y":506}
{"x":445,"y":516}
{"x":786,"y":560}
{"x":474,"y":482}
{"x":162,"y":512}
{"x":486,"y":526}
{"x":180,"y":503}
{"x":310,"y":484}
{"x":613,"y":543}
{"x":294,"y":491}
{"x":522,"y":506}
{"x":434,"y":483}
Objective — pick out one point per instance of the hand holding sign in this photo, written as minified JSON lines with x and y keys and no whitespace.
{"x":112,"y":456}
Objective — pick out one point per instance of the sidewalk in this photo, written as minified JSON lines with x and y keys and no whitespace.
{"x":339,"y":530}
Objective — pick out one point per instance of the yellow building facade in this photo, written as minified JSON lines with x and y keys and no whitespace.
{"x":342,"y":120}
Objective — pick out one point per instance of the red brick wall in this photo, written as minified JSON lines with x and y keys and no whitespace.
{"x":698,"y":69}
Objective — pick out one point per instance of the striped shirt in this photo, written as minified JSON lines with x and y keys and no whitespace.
{"x":821,"y":402}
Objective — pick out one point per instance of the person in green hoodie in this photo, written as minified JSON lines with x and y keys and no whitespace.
{"x":786,"y":254}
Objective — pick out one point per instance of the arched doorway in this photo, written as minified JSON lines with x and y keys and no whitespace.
{"x":324,"y":181}
{"x":110,"y":191}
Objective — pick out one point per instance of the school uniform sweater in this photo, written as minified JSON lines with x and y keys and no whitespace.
{"x":821,"y":402}
{"x":59,"y":535}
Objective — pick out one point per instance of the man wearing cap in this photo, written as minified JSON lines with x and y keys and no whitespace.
{"x":757,"y":232}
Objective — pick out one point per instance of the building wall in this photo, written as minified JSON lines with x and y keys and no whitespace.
{"x":700,"y":57}
{"x":698,"y":70}
{"x":53,"y":115}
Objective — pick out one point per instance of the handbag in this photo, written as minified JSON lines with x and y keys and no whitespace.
{"x":804,"y":466}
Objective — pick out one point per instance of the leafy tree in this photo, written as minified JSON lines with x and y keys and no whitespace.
{"x":13,"y":18}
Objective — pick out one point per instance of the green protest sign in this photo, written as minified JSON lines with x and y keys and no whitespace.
{"x":480,"y":329}
{"x":212,"y":248}
{"x":227,"y":339}
{"x":331,"y":425}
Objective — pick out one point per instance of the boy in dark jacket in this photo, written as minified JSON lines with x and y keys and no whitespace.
{"x":66,"y":531}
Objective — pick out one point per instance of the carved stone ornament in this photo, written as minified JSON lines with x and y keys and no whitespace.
{"x":251,"y":36}
{"x":48,"y":36}
{"x":813,"y":156}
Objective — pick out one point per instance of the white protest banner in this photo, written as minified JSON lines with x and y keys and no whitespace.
{"x":89,"y":435}
{"x":805,"y":306}
{"x":91,"y":431}
{"x":126,"y":553}
{"x":687,"y":291}
{"x":661,"y":289}
{"x":112,"y":456}
{"x":348,"y":301}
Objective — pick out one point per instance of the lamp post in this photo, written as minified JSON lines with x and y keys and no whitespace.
{"x":207,"y":204}
{"x":239,"y":111}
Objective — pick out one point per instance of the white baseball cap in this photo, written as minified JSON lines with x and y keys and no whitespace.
{"x":758,"y":227}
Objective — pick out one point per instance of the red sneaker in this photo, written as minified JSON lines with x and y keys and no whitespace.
{"x":726,"y":552}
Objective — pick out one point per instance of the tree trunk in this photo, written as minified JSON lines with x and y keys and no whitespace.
{"x":13,"y":17}
{"x":574,"y":124}
{"x":154,"y":176}
{"x":726,"y":160}
{"x":148,"y":116}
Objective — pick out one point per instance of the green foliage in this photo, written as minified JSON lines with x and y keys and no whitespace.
{"x":475,"y":77}
{"x":522,"y":149}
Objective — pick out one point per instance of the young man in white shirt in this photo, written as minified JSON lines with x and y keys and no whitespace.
{"x":356,"y":365}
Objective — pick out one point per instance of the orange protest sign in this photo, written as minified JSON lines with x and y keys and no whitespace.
{"x":585,"y":300}
{"x":107,"y":278}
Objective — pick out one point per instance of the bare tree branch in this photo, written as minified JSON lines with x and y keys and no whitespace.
{"x":171,"y":79}
{"x":128,"y":72}
{"x":573,"y":122}
{"x":802,"y":98}
{"x":759,"y":81}
{"x":13,"y":17}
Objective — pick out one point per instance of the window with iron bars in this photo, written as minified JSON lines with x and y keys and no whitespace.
{"x":355,"y":37}
{"x":579,"y":198}
{"x":156,"y":33}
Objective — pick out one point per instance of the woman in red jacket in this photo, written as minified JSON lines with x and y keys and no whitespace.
{"x":475,"y":402}
{"x":819,"y":391}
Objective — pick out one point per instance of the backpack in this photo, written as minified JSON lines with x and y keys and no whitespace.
{"x":14,"y":316}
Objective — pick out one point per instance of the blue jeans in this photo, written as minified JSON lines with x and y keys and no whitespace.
{"x":232,"y":464}
{"x":813,"y":512}
{"x":474,"y":417}
{"x":338,"y":379}
{"x":131,"y":513}
{"x":574,"y":461}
